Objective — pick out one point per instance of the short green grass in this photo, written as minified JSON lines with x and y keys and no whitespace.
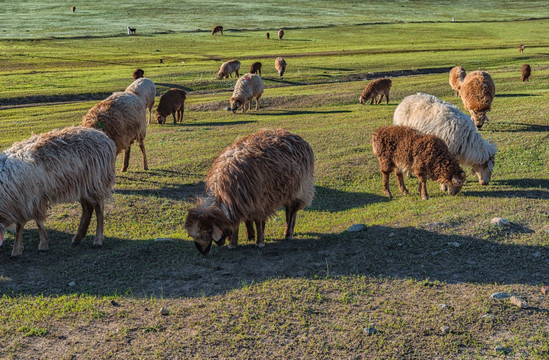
{"x":313,"y":296}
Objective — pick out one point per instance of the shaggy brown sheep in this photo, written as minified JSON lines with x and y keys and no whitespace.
{"x":268,"y":36}
{"x":403,"y":150}
{"x":256,"y":68}
{"x":172,"y":102}
{"x":249,"y":181}
{"x":280,"y":66}
{"x":375,"y":88}
{"x":217,"y":29}
{"x":526,"y":71}
{"x":521,"y":48}
{"x":477,"y":93}
{"x":457,"y":75}
{"x":138,"y":74}
{"x":227,"y":68}
{"x":280,"y":34}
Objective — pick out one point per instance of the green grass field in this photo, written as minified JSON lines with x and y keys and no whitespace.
{"x":419,"y":267}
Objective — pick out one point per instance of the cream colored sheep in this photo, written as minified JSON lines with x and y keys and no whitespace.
{"x":122,"y":117}
{"x":227,"y":68}
{"x":280,"y":66}
{"x":145,"y":89}
{"x":247,"y":88}
{"x":457,"y":75}
{"x":477,"y":93}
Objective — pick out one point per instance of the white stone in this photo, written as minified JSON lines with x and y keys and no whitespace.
{"x":356,"y":228}
{"x":499,"y":221}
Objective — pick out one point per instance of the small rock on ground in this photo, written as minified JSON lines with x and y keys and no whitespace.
{"x":356,"y":228}
{"x":72,"y":283}
{"x":545,"y":290}
{"x":445,"y":329}
{"x":499,"y":221}
{"x":515,"y":300}
{"x":500,"y":296}
{"x":370,"y":330}
{"x":164,"y":311}
{"x":163,"y":239}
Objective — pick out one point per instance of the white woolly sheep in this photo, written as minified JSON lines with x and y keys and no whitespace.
{"x":227,"y":68}
{"x":431,"y":115}
{"x":477,"y":93}
{"x":457,"y":75}
{"x":72,"y":164}
{"x":280,"y":66}
{"x":172,"y":102}
{"x":249,"y":181}
{"x":122,"y":117}
{"x":247,"y":88}
{"x":145,"y":89}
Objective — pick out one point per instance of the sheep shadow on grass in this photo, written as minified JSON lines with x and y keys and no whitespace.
{"x":297,"y":112}
{"x":333,"y":200}
{"x":503,"y":126}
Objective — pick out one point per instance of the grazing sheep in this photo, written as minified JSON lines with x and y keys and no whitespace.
{"x":521,"y":49}
{"x":131,"y":31}
{"x":402,"y":149}
{"x":145,"y":89}
{"x":247,"y":88}
{"x":227,"y":68}
{"x":268,"y":36}
{"x":73,"y":8}
{"x":280,"y":34}
{"x":256,"y":68}
{"x":249,"y":181}
{"x":138,"y":74}
{"x":457,"y":75}
{"x":526,"y":71}
{"x":477,"y":93}
{"x":217,"y":29}
{"x":280,"y":66}
{"x":122,"y":117}
{"x":172,"y":102}
{"x":432,"y":116}
{"x":373,"y":89}
{"x":72,"y":164}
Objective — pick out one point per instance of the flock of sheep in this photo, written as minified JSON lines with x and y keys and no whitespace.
{"x":429,"y":138}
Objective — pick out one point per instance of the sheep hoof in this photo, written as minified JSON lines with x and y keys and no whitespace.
{"x":232,"y":247}
{"x":261,"y":245}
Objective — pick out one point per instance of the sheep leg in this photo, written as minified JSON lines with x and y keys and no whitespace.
{"x":87,"y":211}
{"x":142,"y":147}
{"x":257,"y":102}
{"x":175,"y":115}
{"x":250,"y":230}
{"x":99,"y":214}
{"x":378,"y":100}
{"x":43,"y":245}
{"x":423,"y":187}
{"x":400,"y":182}
{"x":18,"y":244}
{"x":260,"y":225}
{"x":234,"y":239}
{"x":372,"y":101}
{"x":291,"y":212}
{"x":386,"y":190}
{"x":387,"y":98}
{"x":126,"y":161}
{"x":181,"y":114}
{"x":236,"y":72}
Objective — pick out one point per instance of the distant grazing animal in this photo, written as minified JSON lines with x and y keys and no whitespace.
{"x":137,"y":74}
{"x":457,"y":75}
{"x":373,"y":89}
{"x":247,"y":88}
{"x":227,"y":68}
{"x":402,"y":149}
{"x":172,"y":102}
{"x":131,"y":31}
{"x":521,"y":49}
{"x":280,"y":34}
{"x":280,"y":66}
{"x":217,"y":29}
{"x":256,"y":68}
{"x":477,"y":93}
{"x":526,"y":71}
{"x":73,"y":8}
{"x":432,"y":116}
{"x":122,"y":116}
{"x":145,"y":89}
{"x":248,"y":182}
{"x":268,"y":36}
{"x":72,"y":164}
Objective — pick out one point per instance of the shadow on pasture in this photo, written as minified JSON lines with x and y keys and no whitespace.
{"x":282,"y":81}
{"x":525,"y":183}
{"x":216,"y":123}
{"x":173,"y":269}
{"x":297,"y":112}
{"x":333,"y":201}
{"x":503,"y":126}
{"x":31,"y":100}
{"x":179,"y":192}
{"x":331,"y":68}
{"x":514,"y":95}
{"x":527,"y":194}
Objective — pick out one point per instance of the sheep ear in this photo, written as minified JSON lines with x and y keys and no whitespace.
{"x":193,"y":231}
{"x":456,"y":180}
{"x":216,"y":233}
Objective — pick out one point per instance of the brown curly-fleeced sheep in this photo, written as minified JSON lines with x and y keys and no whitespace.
{"x":477,"y":93}
{"x":72,"y":164}
{"x":217,"y":29}
{"x":256,"y":68}
{"x":402,"y":149}
{"x":122,"y":117}
{"x":521,"y":49}
{"x":526,"y":71}
{"x":138,"y":74}
{"x":144,"y":88}
{"x":280,"y":66}
{"x":373,"y":89}
{"x":172,"y":102}
{"x":249,"y":181}
{"x":457,"y":75}
{"x":247,"y":88}
{"x":280,"y":34}
{"x":227,"y":68}
{"x":73,"y":8}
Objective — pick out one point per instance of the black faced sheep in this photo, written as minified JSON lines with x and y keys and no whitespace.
{"x":457,"y":75}
{"x":256,"y":68}
{"x":122,"y":117}
{"x":526,"y":71}
{"x":403,"y":150}
{"x":144,"y":88}
{"x":227,"y":68}
{"x":373,"y":89}
{"x":247,"y":88}
{"x":172,"y":102}
{"x":72,"y":164}
{"x":477,"y":93}
{"x":131,"y":31}
{"x":280,"y":66}
{"x":249,"y":181}
{"x":430,"y":115}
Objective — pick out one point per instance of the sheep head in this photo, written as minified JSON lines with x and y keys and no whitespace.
{"x":161,"y":119}
{"x":479,"y":118}
{"x":362,"y":100}
{"x":235,"y":104}
{"x":484,"y":171}
{"x":456,"y":183}
{"x":206,"y":223}
{"x":220,"y":75}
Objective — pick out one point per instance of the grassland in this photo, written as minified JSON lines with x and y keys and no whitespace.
{"x":419,"y":266}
